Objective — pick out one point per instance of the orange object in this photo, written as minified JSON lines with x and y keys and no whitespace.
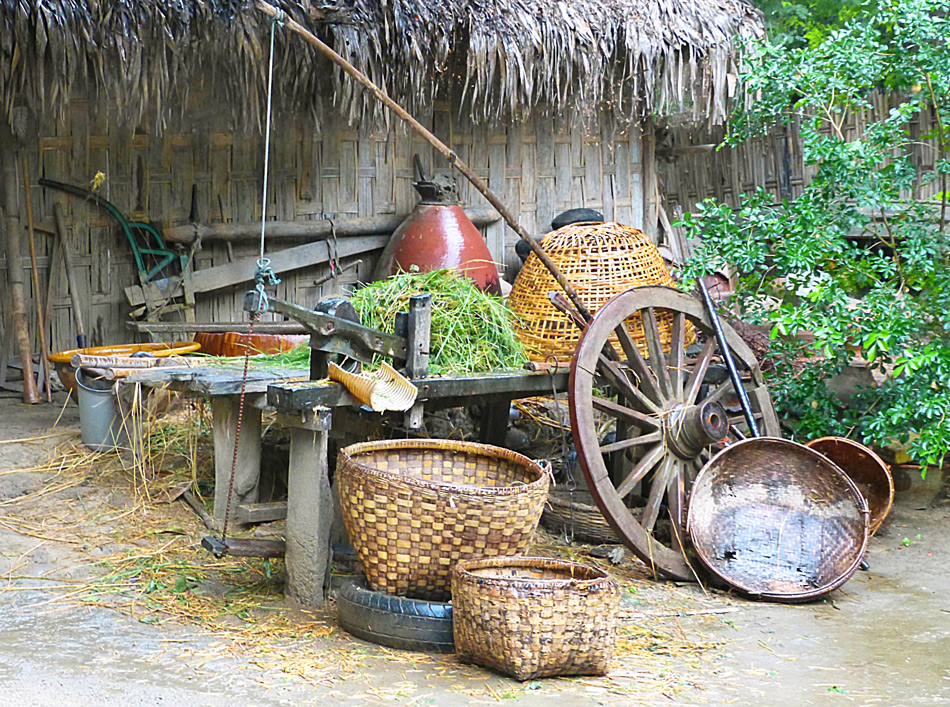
{"x":436,"y":235}
{"x":67,"y":374}
{"x":233,"y":343}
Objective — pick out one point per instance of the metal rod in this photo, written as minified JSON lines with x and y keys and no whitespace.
{"x":730,"y":362}
{"x":450,"y":155}
{"x":40,"y":310}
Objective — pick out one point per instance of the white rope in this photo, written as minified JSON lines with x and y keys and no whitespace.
{"x":278,"y":19}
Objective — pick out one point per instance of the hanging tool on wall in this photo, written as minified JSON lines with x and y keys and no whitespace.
{"x":60,"y":221}
{"x":159,"y":251}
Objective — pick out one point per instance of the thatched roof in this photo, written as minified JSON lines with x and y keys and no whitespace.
{"x":495,"y":59}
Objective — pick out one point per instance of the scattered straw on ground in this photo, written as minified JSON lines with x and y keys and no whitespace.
{"x":139,"y":556}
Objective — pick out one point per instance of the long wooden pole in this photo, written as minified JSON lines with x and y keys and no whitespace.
{"x":40,"y":312}
{"x":450,"y":155}
{"x":60,"y":221}
{"x":15,"y":278}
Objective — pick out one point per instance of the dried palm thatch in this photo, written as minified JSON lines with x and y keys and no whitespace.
{"x":495,"y":59}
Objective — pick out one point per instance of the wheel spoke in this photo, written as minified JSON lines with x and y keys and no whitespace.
{"x":657,"y":360}
{"x":640,"y":470}
{"x":677,"y":352}
{"x":657,"y":491}
{"x":699,"y":372}
{"x":612,"y":371}
{"x":623,"y":412}
{"x":622,"y":444}
{"x":725,"y":387}
{"x":675,"y":502}
{"x":636,"y":361}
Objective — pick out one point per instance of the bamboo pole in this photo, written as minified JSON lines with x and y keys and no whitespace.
{"x":450,"y":155}
{"x":40,"y":318}
{"x":15,"y":276}
{"x":70,"y":275}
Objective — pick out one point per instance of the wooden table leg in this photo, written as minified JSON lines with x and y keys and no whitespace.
{"x":247,"y":472}
{"x":495,"y":423}
{"x":309,"y":511}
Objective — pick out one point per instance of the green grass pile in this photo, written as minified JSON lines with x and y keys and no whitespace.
{"x":471,"y":330}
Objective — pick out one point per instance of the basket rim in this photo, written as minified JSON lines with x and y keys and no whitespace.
{"x":462,"y":572}
{"x":801,"y":596}
{"x":350,"y":453}
{"x":817,"y":444}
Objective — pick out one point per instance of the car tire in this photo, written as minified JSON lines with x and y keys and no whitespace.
{"x":396,"y":622}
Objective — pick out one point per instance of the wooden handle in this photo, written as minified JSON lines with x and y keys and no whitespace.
{"x":450,"y":155}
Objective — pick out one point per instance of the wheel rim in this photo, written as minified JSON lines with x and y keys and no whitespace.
{"x":669,"y":413}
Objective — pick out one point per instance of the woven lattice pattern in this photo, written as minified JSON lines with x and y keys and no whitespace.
{"x":532,"y":617}
{"x":575,"y":514}
{"x":600,"y":260}
{"x":777,"y":520}
{"x":414,"y":508}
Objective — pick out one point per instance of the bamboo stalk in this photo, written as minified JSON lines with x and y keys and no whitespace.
{"x":449,"y":154}
{"x":15,"y":277}
{"x":40,"y":311}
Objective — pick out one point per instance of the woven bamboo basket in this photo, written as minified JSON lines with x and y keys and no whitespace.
{"x":414,"y":508}
{"x":866,"y":469}
{"x":600,"y":260}
{"x":532,"y":617}
{"x":575,"y":514}
{"x":777,"y":520}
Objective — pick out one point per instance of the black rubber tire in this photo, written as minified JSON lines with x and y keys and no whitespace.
{"x":397,"y":622}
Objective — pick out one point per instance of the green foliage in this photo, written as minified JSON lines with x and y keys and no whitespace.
{"x":852,"y":261}
{"x":807,"y":22}
{"x":471,"y":331}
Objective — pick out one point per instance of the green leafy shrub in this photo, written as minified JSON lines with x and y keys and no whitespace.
{"x":854,"y":261}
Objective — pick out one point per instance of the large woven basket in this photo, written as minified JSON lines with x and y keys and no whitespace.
{"x":866,"y":469}
{"x":574,"y":514}
{"x":777,"y":520}
{"x":413,"y":508}
{"x":600,"y":260}
{"x":532,"y":617}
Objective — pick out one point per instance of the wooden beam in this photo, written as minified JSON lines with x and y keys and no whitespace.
{"x":481,"y":216}
{"x":221,"y":276}
{"x":216,"y":327}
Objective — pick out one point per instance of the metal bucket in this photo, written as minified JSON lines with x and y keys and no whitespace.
{"x":100,"y":424}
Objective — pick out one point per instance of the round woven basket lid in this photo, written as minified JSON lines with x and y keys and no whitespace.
{"x":866,"y":469}
{"x":600,"y":260}
{"x":777,"y":520}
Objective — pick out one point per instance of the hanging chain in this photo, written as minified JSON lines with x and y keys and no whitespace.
{"x":263,"y":276}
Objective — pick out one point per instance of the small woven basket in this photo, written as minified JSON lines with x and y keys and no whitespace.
{"x":600,"y":260}
{"x":777,"y":520}
{"x":532,"y":617}
{"x":575,"y":514}
{"x":413,"y":508}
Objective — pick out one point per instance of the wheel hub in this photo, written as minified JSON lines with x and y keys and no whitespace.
{"x":690,"y":428}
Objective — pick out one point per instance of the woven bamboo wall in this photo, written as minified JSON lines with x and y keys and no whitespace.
{"x":199,"y":168}
{"x":691,"y":169}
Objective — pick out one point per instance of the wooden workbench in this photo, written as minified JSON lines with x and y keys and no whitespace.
{"x":306,"y":406}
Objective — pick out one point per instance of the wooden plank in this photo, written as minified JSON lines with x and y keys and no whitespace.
{"x":261,"y":512}
{"x":216,"y":327}
{"x":470,"y":389}
{"x":221,"y":276}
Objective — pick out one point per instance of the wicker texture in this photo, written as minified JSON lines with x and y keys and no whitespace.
{"x":600,"y":260}
{"x":575,"y":514}
{"x":532,"y":617}
{"x":866,"y":469}
{"x":777,"y":520}
{"x":414,"y":508}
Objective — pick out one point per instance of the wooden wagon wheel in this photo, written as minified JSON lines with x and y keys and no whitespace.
{"x":668,"y":414}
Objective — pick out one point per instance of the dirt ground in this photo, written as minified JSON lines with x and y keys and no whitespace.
{"x":882,"y":639}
